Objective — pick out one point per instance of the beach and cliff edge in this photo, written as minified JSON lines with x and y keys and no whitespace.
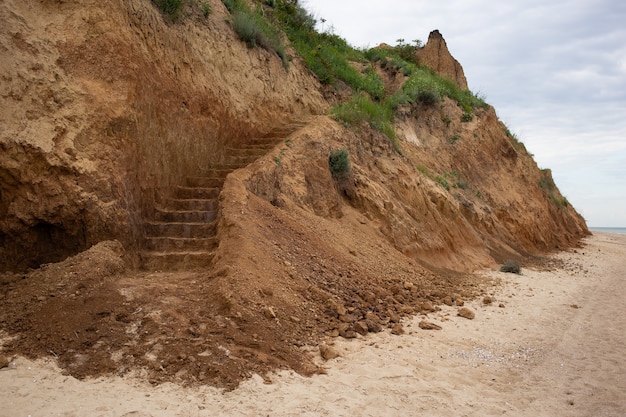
{"x":548,"y":342}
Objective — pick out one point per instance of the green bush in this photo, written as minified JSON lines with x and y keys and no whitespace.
{"x":206,"y":9}
{"x":171,"y":8}
{"x":247,"y":28}
{"x":339,"y":163}
{"x":252,"y":28}
{"x":511,"y":267}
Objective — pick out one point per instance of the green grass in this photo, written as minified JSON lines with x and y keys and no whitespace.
{"x":253,"y":28}
{"x":171,"y":8}
{"x":362,"y":109}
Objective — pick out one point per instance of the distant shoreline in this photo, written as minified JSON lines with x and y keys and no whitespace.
{"x":620,"y":230}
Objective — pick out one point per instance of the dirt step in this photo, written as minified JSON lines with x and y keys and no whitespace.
{"x":176,"y":261}
{"x":180,"y":244}
{"x":196,"y":192}
{"x":183,"y":230}
{"x":250,"y":150}
{"x":242,"y":160}
{"x":205,"y":182}
{"x":185,"y":216}
{"x":189,"y":204}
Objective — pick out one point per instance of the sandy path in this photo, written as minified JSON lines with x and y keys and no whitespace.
{"x":555,"y":348}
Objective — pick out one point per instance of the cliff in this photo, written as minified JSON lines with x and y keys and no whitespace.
{"x":199,"y":169}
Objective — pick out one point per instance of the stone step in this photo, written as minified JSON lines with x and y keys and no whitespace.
{"x":180,"y":244}
{"x":185,"y":216}
{"x":189,"y":204}
{"x":185,"y":230}
{"x":205,"y":182}
{"x":176,"y":261}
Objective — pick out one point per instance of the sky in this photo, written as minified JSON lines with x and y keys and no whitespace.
{"x":554,"y":71}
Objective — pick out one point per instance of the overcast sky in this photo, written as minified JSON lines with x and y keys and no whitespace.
{"x":554,"y":71}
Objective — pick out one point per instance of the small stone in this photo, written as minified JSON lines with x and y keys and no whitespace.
{"x":295,"y":319}
{"x":488,"y":300}
{"x":373,"y":326}
{"x":269,"y":313}
{"x":448,"y":301}
{"x":397,"y":329}
{"x":408,"y":285}
{"x":427,"y":325}
{"x":338,"y":309}
{"x":372,"y":316}
{"x":466,"y":313}
{"x":4,"y":362}
{"x":361,"y":328}
{"x":393,"y":316}
{"x":501,"y":305}
{"x":427,"y":307}
{"x":346,"y":331}
{"x":328,"y":352}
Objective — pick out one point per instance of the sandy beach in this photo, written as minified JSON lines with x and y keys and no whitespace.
{"x":546,"y":343}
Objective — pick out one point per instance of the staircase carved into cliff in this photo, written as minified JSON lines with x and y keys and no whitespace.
{"x":182,"y":232}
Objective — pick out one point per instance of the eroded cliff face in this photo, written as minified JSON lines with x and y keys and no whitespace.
{"x":106,"y":105}
{"x":117,"y":124}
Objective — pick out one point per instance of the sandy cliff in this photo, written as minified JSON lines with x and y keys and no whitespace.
{"x":201,"y":155}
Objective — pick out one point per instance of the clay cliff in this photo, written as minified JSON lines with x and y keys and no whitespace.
{"x":197,"y":170}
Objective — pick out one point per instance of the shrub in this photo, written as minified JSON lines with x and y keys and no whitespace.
{"x":339,"y":163}
{"x":467,"y":117}
{"x":171,"y":8}
{"x":247,"y":28}
{"x":206,"y":9}
{"x":511,"y":267}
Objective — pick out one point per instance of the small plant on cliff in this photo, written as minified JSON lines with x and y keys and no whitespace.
{"x":339,"y":163}
{"x":361,"y":108}
{"x":252,"y":28}
{"x":511,"y":267}
{"x":171,"y":8}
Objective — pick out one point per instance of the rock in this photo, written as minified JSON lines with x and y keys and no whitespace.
{"x":427,"y":325}
{"x":373,"y":326}
{"x":346,"y":331}
{"x":427,"y":307}
{"x":361,"y":328}
{"x":347,"y":318}
{"x":372,"y":317}
{"x":488,"y":300}
{"x":338,"y":309}
{"x":328,"y":352}
{"x":467,"y":313}
{"x":4,"y":361}
{"x":397,"y":329}
{"x":436,"y":56}
{"x":269,"y":313}
{"x":448,"y":301}
{"x":408,"y":285}
{"x":393,"y":316}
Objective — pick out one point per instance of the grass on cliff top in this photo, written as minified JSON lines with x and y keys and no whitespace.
{"x":333,"y":61}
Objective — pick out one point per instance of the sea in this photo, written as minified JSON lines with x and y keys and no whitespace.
{"x":620,"y":230}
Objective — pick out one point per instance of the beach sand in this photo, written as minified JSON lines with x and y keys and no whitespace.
{"x":550,"y":343}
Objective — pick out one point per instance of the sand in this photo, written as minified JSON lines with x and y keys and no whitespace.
{"x":551,"y":343}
